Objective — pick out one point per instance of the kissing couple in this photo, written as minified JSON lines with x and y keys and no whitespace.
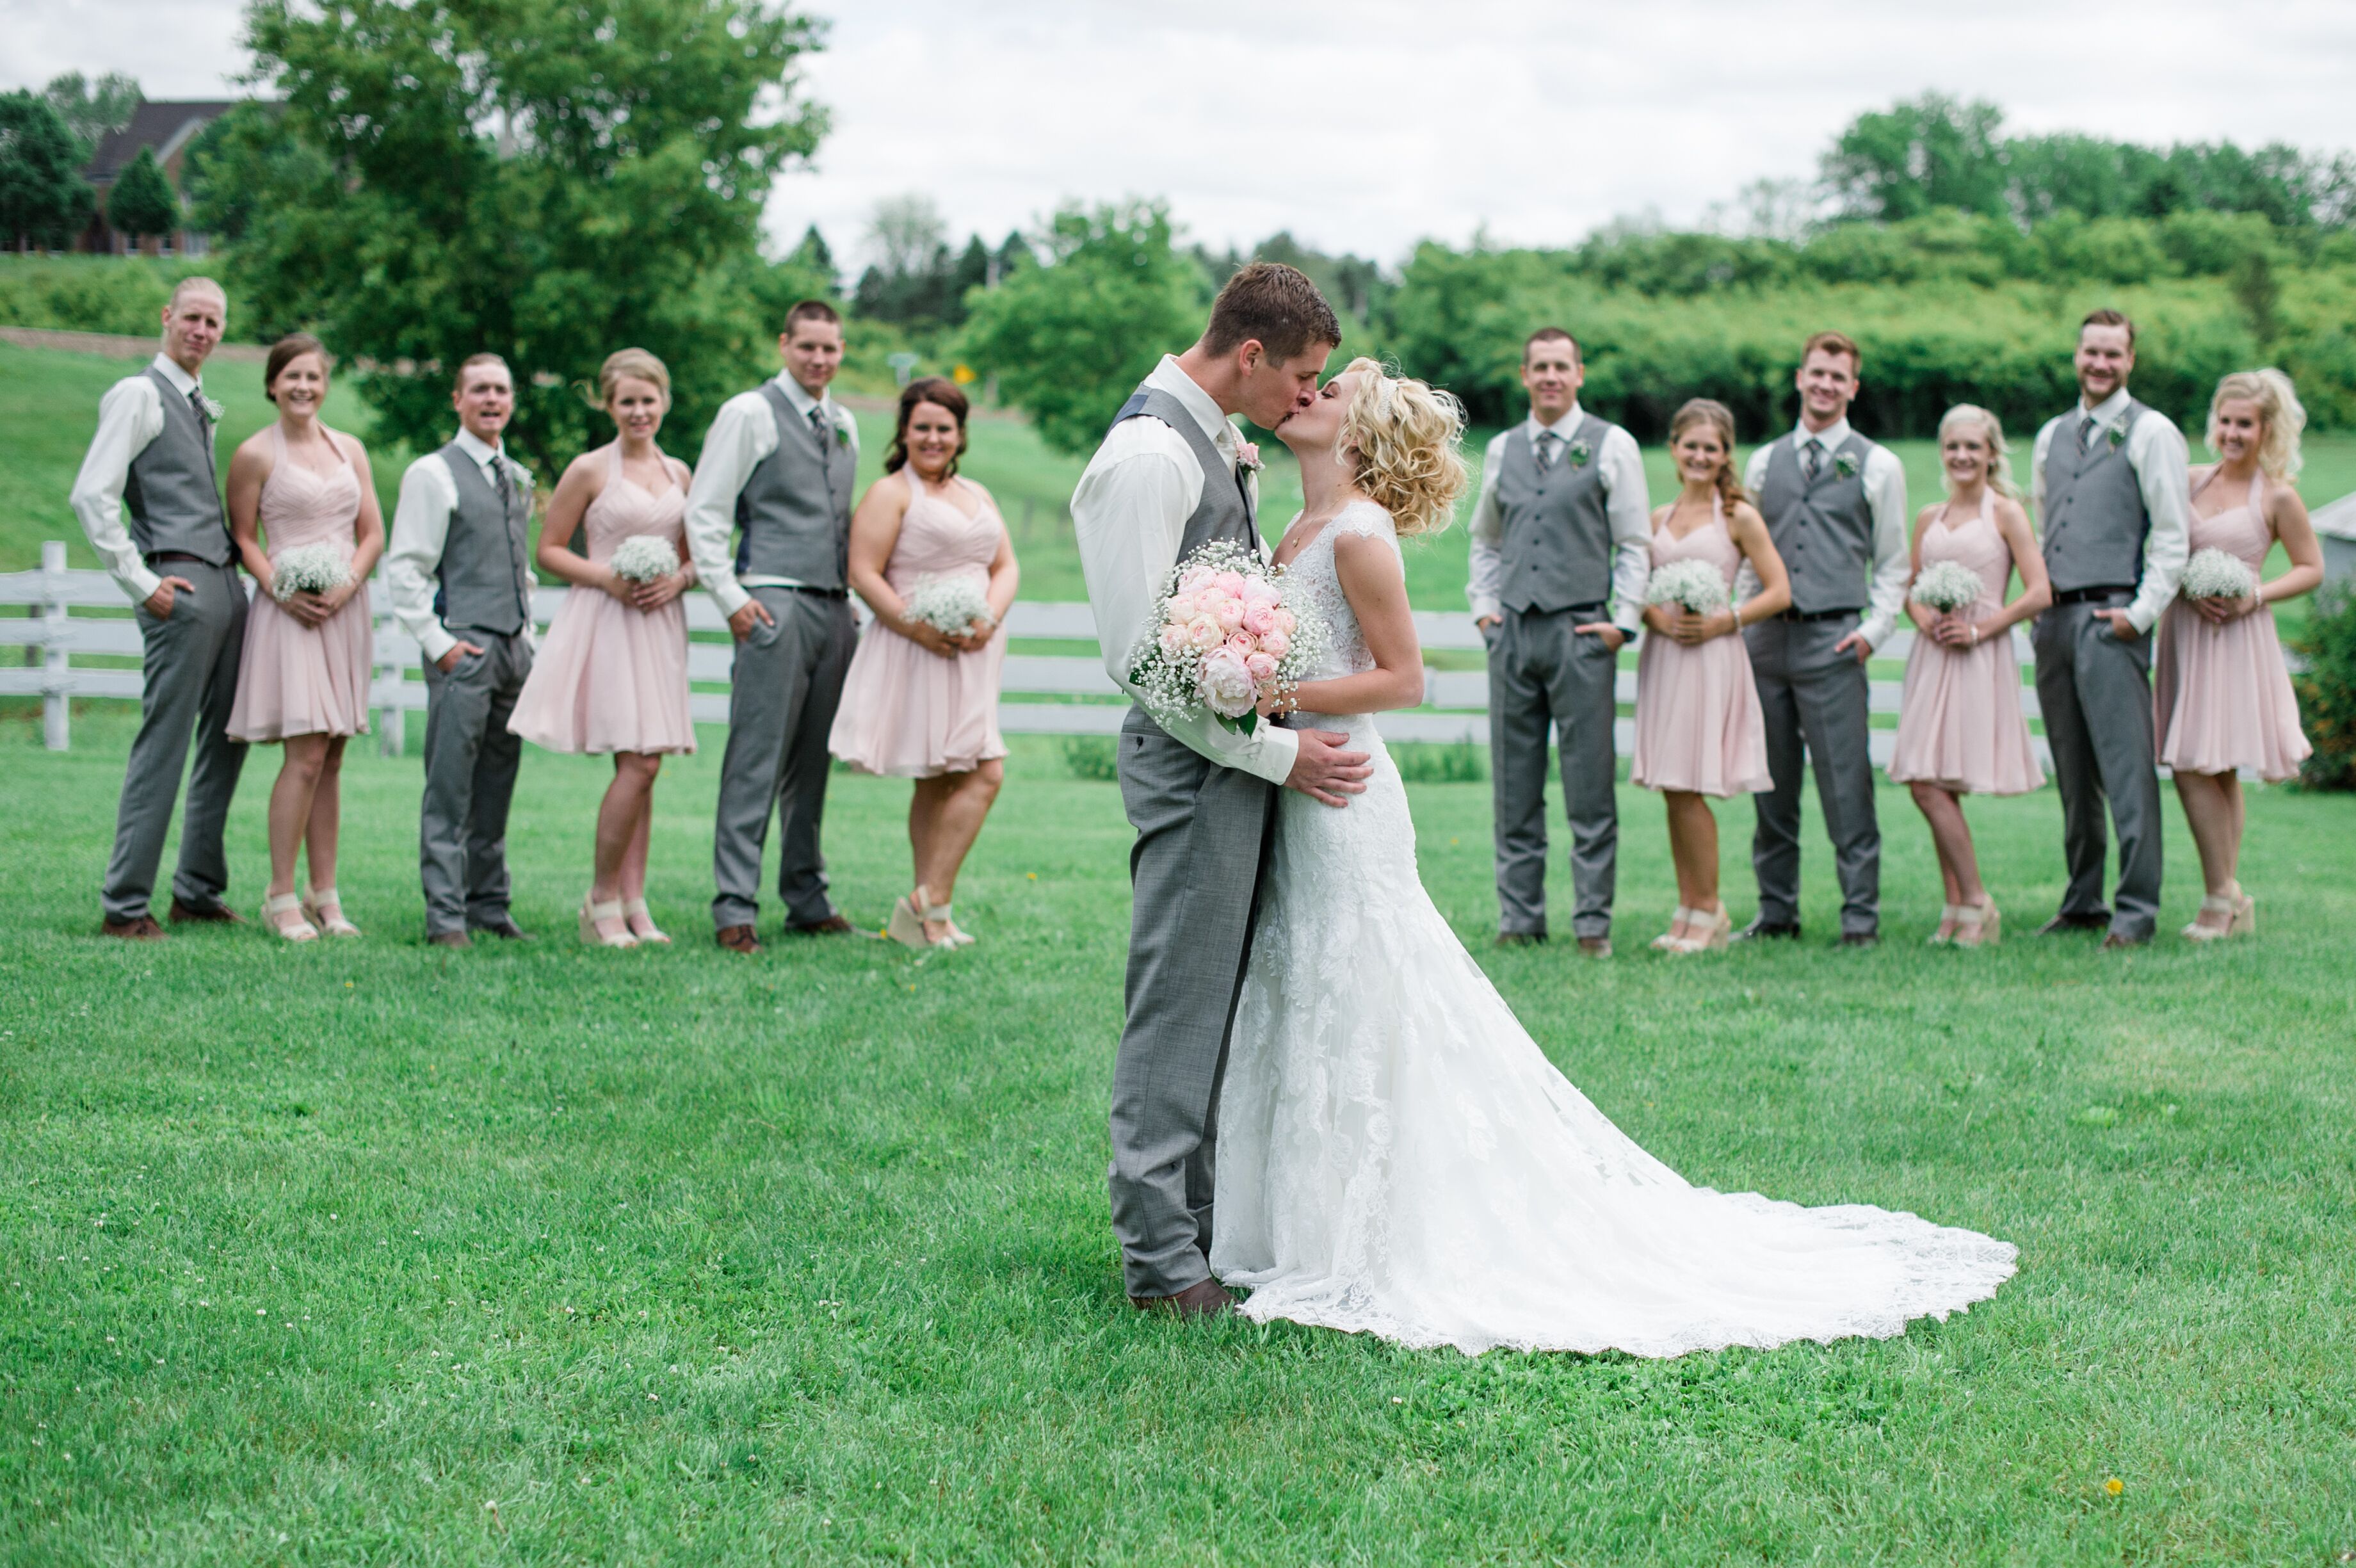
{"x":1306,"y":1039}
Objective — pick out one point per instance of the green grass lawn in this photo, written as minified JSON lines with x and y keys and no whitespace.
{"x":372,"y":1253}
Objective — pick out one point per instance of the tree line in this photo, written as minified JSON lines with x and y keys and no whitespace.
{"x":47,"y":138}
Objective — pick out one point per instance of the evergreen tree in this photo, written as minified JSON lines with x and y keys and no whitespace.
{"x":44,"y":200}
{"x":812,"y":256}
{"x":142,"y":201}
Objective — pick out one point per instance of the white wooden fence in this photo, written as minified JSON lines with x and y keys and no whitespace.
{"x":1043,"y":693}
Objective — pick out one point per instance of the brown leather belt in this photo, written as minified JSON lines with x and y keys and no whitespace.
{"x":163,"y":555}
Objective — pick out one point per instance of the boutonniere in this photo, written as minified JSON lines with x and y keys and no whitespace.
{"x":213,"y":411}
{"x":2117,"y":437}
{"x":1578,"y":452}
{"x":1247,"y":457}
{"x":1845,"y":466}
{"x":842,"y":434}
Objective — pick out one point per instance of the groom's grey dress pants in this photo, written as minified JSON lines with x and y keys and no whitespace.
{"x":1204,"y":834}
{"x":188,"y":683}
{"x":470,"y":774}
{"x":783,"y":690}
{"x":2094,"y":693}
{"x":1543,"y":674}
{"x":1817,"y":702}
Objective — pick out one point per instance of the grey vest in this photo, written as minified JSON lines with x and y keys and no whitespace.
{"x":1556,"y":546}
{"x":795,"y":508}
{"x":486,"y":580}
{"x":1224,"y":512}
{"x":2095,"y":519}
{"x":174,"y":497}
{"x":1823,"y":530}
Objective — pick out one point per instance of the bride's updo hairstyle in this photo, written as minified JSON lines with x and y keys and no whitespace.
{"x":1403,"y":439}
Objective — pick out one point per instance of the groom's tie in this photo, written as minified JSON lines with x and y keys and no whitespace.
{"x":1550,"y":443}
{"x":1812,"y":461}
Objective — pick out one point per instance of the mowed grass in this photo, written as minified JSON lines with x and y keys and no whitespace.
{"x":372,"y":1253}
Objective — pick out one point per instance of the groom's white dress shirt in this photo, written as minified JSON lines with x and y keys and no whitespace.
{"x":130,"y":417}
{"x":1129,"y":515}
{"x":1885,"y":499}
{"x":421,"y":527}
{"x":2155,"y":450}
{"x":743,"y":435}
{"x":1620,"y":467}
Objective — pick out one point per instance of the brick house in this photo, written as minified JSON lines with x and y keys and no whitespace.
{"x":169,"y":128}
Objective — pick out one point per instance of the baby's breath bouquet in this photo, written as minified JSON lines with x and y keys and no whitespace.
{"x":307,"y":569}
{"x":1946,"y":587}
{"x":1695,"y":585}
{"x":1226,"y":633}
{"x":643,"y":558}
{"x":2217,"y":574}
{"x":950,"y":605}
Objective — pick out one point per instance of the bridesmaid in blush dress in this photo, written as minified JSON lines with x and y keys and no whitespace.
{"x":303,"y":678}
{"x":1699,"y":729}
{"x":2222,"y":695}
{"x":1961,"y":730}
{"x":612,"y":678}
{"x":920,"y":702}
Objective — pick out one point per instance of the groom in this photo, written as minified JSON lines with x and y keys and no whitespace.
{"x":1169,"y":479}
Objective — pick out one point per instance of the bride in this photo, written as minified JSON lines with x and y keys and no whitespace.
{"x":1394,"y":1154}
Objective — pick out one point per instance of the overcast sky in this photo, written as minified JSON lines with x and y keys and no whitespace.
{"x":1365,"y":125}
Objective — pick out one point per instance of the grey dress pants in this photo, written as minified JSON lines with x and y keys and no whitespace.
{"x":783,"y":691}
{"x":1816,"y":707}
{"x":2095,"y":692}
{"x":1543,"y":675}
{"x":470,"y":773}
{"x":188,"y":683}
{"x":1204,"y":836}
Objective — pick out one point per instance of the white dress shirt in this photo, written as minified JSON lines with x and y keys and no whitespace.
{"x":742,"y":436}
{"x":130,"y":415}
{"x":1621,"y":467}
{"x":421,"y":527}
{"x":1129,"y":515}
{"x":1885,"y":500}
{"x":2155,"y":450}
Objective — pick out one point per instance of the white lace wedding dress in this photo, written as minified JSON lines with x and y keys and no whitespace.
{"x":1396,"y":1155}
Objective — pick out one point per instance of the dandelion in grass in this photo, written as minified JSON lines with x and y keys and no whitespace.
{"x":950,"y":605}
{"x":307,"y":569}
{"x":643,"y":558}
{"x":2217,"y":574}
{"x":1946,"y":587}
{"x":1695,"y":585}
{"x":1226,"y":633}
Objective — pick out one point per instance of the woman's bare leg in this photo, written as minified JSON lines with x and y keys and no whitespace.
{"x":290,"y":806}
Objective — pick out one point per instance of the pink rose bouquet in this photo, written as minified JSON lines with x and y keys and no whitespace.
{"x":1225,"y":635}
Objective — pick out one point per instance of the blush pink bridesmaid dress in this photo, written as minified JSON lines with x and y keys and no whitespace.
{"x":1960,"y":724}
{"x":295,"y":679}
{"x":2221,"y":694}
{"x":1698,"y":724}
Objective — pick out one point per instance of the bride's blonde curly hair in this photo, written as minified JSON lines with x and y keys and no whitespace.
{"x":1403,"y":440}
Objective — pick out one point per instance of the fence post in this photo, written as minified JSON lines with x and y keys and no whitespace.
{"x":57,"y":699}
{"x":387,"y":684}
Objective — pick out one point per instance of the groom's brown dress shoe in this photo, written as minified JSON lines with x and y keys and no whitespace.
{"x":138,"y":928}
{"x":1521,"y":938}
{"x":738,"y":939}
{"x":449,"y":940}
{"x":2062,"y":923}
{"x":1203,"y":1299}
{"x":219,"y":915}
{"x":836,"y":925}
{"x":1595,"y":947}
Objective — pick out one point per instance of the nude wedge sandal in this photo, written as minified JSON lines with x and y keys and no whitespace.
{"x":324,"y":908}
{"x":635,"y":909}
{"x":592,"y":914}
{"x":275,"y":910}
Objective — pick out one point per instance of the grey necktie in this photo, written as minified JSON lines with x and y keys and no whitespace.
{"x":2086,"y":432}
{"x":1549,"y":446}
{"x":507,"y":490}
{"x":1812,"y":459}
{"x":820,"y":425}
{"x":197,"y":402}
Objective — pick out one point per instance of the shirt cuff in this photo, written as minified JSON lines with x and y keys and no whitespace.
{"x":434,"y":642}
{"x":1630,"y":619}
{"x":139,"y":583}
{"x":1484,"y":607}
{"x":1271,"y":757}
{"x":728,"y":594}
{"x":1876,"y":629}
{"x":2140,"y":616}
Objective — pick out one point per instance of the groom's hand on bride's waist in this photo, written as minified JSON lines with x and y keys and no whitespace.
{"x":1322,"y":771}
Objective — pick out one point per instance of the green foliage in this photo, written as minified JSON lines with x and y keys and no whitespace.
{"x":92,"y":108}
{"x":142,"y":201}
{"x":44,"y":200}
{"x":122,"y":295}
{"x":1095,"y":758}
{"x":1906,"y":160}
{"x":2327,"y":689}
{"x":506,"y":177}
{"x":1434,"y":764}
{"x":1068,"y":339}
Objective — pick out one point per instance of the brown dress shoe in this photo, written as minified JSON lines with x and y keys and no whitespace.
{"x":1521,"y":938}
{"x":835,"y":925}
{"x":738,"y":939}
{"x":138,"y":928}
{"x":1203,"y":1299}
{"x":503,"y":927}
{"x":2114,"y":941}
{"x":1595,"y":947}
{"x":219,"y":915}
{"x":448,"y":939}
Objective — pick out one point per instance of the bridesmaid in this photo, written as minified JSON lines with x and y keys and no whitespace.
{"x":1699,"y":729}
{"x":612,"y":676}
{"x":2222,"y":696}
{"x":304,"y":679}
{"x":921,"y":704}
{"x":1961,"y":730}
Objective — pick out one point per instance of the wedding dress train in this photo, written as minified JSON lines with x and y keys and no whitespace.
{"x":1396,"y":1157}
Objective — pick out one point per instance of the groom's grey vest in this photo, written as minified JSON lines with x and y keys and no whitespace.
{"x":795,"y":508}
{"x":1556,"y":547}
{"x":1225,"y":511}
{"x":2095,"y":519}
{"x":486,"y":583}
{"x":174,"y":499}
{"x":1823,"y":530}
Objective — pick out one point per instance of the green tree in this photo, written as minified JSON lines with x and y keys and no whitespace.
{"x":93,"y":108}
{"x":1930,"y":152}
{"x":142,"y":201}
{"x":812,"y":256}
{"x":504,"y":177}
{"x":44,"y":200}
{"x":1070,"y":338}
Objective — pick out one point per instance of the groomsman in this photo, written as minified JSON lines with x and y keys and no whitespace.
{"x":456,"y":569}
{"x":153,"y":453}
{"x":1561,"y":549}
{"x":1834,"y":504}
{"x":2111,"y":494}
{"x":778,"y":463}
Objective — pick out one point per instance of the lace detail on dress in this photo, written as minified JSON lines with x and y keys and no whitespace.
{"x":1319,"y":583}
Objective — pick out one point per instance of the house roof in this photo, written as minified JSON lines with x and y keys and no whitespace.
{"x":164,"y":127}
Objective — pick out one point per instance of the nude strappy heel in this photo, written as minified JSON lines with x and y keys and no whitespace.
{"x":325,"y":908}
{"x":1978,"y":925}
{"x":299,"y":929}
{"x":2240,"y":912}
{"x":1950,"y":916}
{"x":908,"y":918}
{"x":635,"y":911}
{"x":1667,"y":941}
{"x":594,"y":914}
{"x":1707,"y":933}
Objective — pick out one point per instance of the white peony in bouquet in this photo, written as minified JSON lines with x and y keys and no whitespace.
{"x":1695,"y":585}
{"x":950,"y":605}
{"x":1225,"y":635}
{"x":1946,"y":587}
{"x":2217,"y":574}
{"x":307,"y":569}
{"x":643,"y":558}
